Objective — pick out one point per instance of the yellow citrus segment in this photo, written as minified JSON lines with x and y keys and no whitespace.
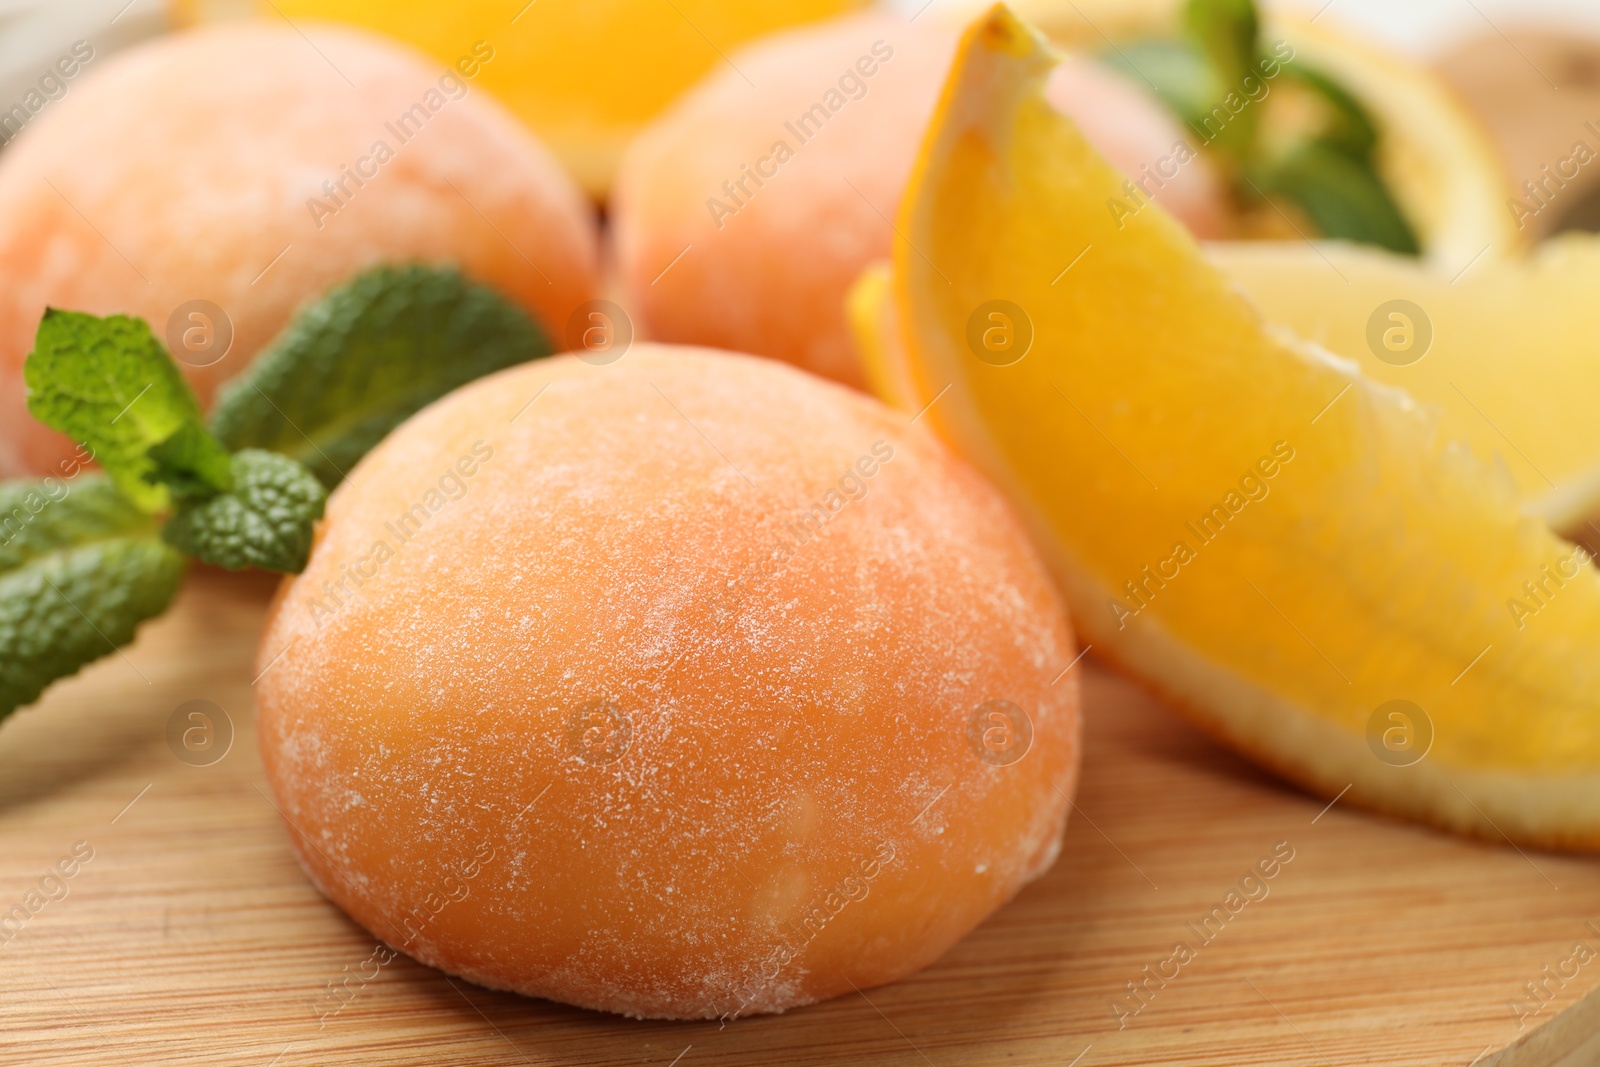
{"x":1280,"y":545}
{"x":1506,"y":350}
{"x":869,"y":309}
{"x":585,"y":74}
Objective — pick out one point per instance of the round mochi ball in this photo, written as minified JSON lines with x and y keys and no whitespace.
{"x":212,"y":181}
{"x":742,"y":216}
{"x":688,"y":686}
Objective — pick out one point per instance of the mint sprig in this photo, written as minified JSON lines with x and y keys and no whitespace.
{"x":192,"y":464}
{"x":366,"y":356}
{"x":43,"y":515}
{"x":231,"y":510}
{"x":1217,"y":79}
{"x":84,"y":562}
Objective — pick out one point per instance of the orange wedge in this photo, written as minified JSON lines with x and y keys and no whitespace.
{"x":1288,"y":551}
{"x":1505,"y":350}
{"x":870,"y":309}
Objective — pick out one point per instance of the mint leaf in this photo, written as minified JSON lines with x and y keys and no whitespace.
{"x":1226,"y":30}
{"x":192,"y":463}
{"x":264,"y":521}
{"x":109,"y":383}
{"x":1178,"y":72}
{"x":40,"y":516}
{"x":1344,"y":197}
{"x":80,"y":568}
{"x":1314,"y":145}
{"x":1345,"y":122}
{"x":363,"y":358}
{"x":1194,"y":75}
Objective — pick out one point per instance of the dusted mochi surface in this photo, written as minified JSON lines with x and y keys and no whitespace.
{"x":652,"y":705}
{"x":182,"y":169}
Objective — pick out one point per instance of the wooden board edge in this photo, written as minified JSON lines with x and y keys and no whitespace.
{"x":1571,"y":1039}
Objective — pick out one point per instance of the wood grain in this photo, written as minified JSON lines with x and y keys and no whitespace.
{"x":192,"y":938}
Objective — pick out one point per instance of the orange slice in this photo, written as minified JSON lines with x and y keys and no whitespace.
{"x":1288,"y":551}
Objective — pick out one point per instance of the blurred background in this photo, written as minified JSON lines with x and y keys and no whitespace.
{"x":1422,"y":27}
{"x":1528,"y":69}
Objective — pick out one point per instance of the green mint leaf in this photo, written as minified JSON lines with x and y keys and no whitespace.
{"x":80,"y":568}
{"x":1344,"y":197}
{"x":1180,"y":75}
{"x":192,"y":463}
{"x":1346,"y":125}
{"x":364,"y":357}
{"x":43,"y":515}
{"x":1226,"y":32}
{"x":109,"y":383}
{"x":1323,"y":159}
{"x":264,"y":521}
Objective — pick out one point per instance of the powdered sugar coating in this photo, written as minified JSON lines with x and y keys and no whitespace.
{"x":255,"y":165}
{"x":612,"y":721}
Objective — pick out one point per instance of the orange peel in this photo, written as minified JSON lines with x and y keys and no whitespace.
{"x":1293,"y":554}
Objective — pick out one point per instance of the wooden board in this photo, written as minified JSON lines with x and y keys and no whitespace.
{"x":1537,"y":94}
{"x":192,"y":938}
